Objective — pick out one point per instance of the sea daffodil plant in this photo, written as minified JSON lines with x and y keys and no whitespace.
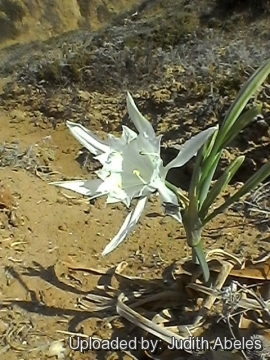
{"x":132,"y":168}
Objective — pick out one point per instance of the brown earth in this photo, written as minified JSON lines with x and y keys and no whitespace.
{"x":42,"y":228}
{"x":23,"y":21}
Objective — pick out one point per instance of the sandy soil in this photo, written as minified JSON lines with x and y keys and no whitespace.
{"x":42,"y":227}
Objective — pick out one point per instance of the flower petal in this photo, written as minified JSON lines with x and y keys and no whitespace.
{"x":117,"y":195}
{"x":128,"y":135}
{"x":136,"y":191}
{"x":190,"y":148}
{"x":118,"y":143}
{"x":83,"y":187}
{"x":115,"y":143}
{"x":102,"y":158}
{"x":111,"y":162}
{"x":111,"y":199}
{"x":87,"y":139}
{"x":102,"y":174}
{"x":112,"y":183}
{"x":128,"y":225}
{"x":115,"y":198}
{"x":169,"y":201}
{"x":143,"y":126}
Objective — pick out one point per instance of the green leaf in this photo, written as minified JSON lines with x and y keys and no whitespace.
{"x":251,"y":184}
{"x":195,"y":174}
{"x":200,"y":159}
{"x":203,"y":186}
{"x":199,"y":253}
{"x":195,"y":216}
{"x":247,"y":91}
{"x":208,"y":145}
{"x":224,"y":134}
{"x":243,"y":121}
{"x":208,"y":171}
{"x":220,"y":185}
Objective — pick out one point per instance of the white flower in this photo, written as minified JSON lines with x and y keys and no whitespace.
{"x":132,"y":168}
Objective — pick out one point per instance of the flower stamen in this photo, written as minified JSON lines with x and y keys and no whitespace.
{"x":152,"y":154}
{"x":137,"y":173}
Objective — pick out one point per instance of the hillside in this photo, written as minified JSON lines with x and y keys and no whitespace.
{"x":29,"y":20}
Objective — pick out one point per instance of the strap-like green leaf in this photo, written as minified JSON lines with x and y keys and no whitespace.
{"x":243,"y":121}
{"x":200,"y":199}
{"x":220,"y":185}
{"x":208,"y":171}
{"x":245,"y":94}
{"x":229,"y":130}
{"x":200,"y":159}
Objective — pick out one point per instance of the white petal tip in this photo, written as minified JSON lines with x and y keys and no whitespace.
{"x":61,"y":184}
{"x":105,"y":252}
{"x":71,"y":124}
{"x":56,"y":183}
{"x":74,"y":185}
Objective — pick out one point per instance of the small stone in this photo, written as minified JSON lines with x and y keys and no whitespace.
{"x":57,"y":349}
{"x":3,"y":327}
{"x":14,"y":220}
{"x":63,"y":227}
{"x":17,"y":115}
{"x":84,"y":95}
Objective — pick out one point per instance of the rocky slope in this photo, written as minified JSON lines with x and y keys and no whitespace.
{"x":28,"y":20}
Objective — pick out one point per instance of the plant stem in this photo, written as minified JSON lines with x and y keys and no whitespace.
{"x":193,"y":228}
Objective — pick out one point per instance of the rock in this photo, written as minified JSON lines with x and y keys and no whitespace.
{"x":84,"y":95}
{"x":17,"y":115}
{"x":7,"y":200}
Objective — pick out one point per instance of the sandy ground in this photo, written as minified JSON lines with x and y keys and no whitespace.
{"x":43,"y":227}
